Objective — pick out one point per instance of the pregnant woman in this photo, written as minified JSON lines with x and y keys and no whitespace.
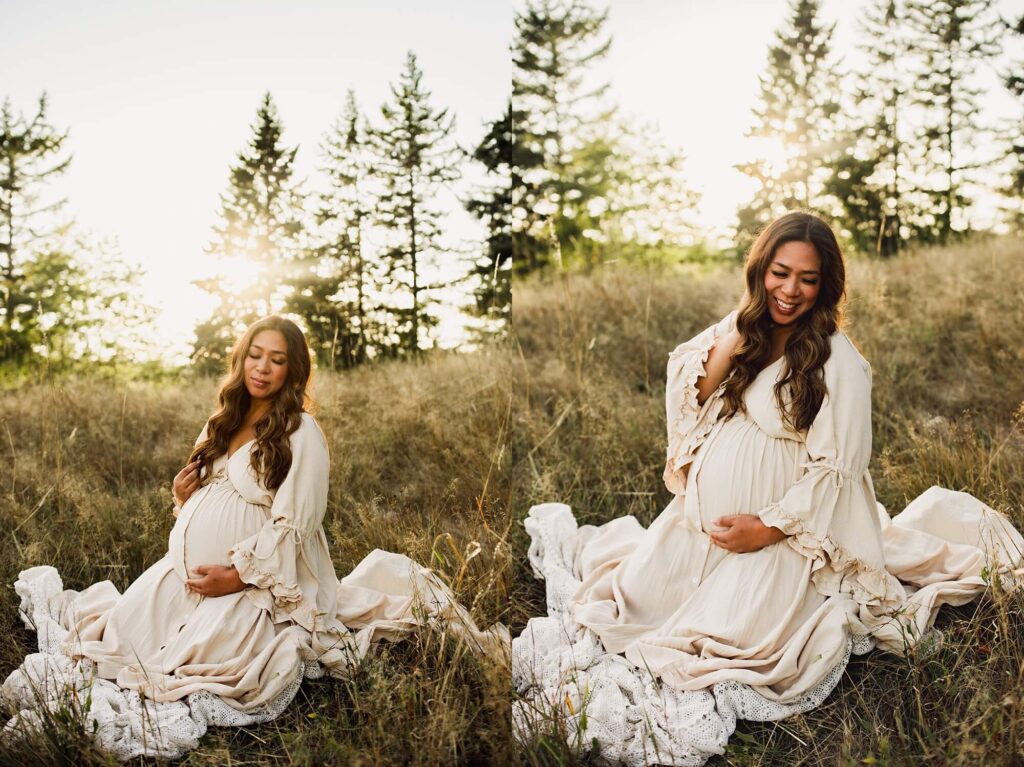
{"x":773,"y":561}
{"x":246,"y":601}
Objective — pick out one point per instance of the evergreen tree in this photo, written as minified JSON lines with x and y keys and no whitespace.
{"x":869,"y":175}
{"x":334,"y":286}
{"x":798,"y":105}
{"x":494,"y":207}
{"x":1015,"y":189}
{"x":415,"y":159}
{"x":563,"y":181}
{"x":63,"y":297}
{"x":49,"y":299}
{"x":953,"y":37}
{"x":652,"y":206}
{"x":261,"y":223}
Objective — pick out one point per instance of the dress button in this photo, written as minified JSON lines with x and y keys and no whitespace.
{"x":695,"y":579}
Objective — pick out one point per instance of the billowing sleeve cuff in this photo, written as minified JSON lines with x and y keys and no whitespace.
{"x":267,"y":560}
{"x":816,"y":515}
{"x":689,"y":422}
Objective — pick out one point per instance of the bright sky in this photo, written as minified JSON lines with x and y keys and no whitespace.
{"x":692,"y":66}
{"x":160,"y":97}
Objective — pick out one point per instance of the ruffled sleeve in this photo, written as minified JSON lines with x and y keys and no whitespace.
{"x":689,"y":422}
{"x":272,"y":558}
{"x":829,"y":513}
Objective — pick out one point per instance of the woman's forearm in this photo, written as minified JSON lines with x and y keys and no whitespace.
{"x":718,"y":365}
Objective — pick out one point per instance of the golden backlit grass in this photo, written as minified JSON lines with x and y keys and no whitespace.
{"x":943,"y":331}
{"x":419,"y":465}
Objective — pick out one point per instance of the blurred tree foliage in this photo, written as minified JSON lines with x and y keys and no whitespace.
{"x":60,"y":293}
{"x":494,"y":206}
{"x":1015,"y":188}
{"x":335,"y":284}
{"x":261,"y":223}
{"x":799,"y":101}
{"x":953,"y":38}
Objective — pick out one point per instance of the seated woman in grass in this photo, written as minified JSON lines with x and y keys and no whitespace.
{"x":246,"y":601}
{"x":745,"y":597}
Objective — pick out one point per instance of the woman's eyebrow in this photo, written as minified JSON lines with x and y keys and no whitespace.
{"x":779,"y":264}
{"x":272,"y":351}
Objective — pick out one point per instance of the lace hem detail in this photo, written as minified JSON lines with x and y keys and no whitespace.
{"x":837,"y":570}
{"x":694,"y":421}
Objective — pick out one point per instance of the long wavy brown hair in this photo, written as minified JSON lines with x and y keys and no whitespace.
{"x":801,"y":389}
{"x":271,"y":456}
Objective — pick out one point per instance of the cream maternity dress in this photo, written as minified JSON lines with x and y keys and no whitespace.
{"x":778,"y":622}
{"x":243,"y":653}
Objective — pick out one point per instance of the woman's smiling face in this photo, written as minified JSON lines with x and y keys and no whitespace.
{"x":792,"y":281}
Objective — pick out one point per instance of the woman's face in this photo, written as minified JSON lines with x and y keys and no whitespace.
{"x":266,"y":365}
{"x":792,"y":281}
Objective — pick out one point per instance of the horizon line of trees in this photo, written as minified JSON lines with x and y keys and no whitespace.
{"x":889,"y":151}
{"x":361,"y":261}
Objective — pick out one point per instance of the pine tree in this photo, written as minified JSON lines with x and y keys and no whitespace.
{"x":1015,"y":188}
{"x":63,"y":297}
{"x":869,"y":174}
{"x":261,"y":224}
{"x":415,"y":159}
{"x":334,"y":287}
{"x":953,"y":38}
{"x":798,"y":106}
{"x":496,"y":152}
{"x":563,"y":181}
{"x":652,"y":207}
{"x":41,"y":280}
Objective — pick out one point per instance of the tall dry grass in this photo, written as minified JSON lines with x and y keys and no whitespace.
{"x":419,"y":465}
{"x":943,"y":330}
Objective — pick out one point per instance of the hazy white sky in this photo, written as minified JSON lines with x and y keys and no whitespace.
{"x":160,"y":96}
{"x":692,"y":66}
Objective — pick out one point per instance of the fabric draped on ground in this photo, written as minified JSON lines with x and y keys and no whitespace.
{"x":567,"y":682}
{"x":386,"y":596}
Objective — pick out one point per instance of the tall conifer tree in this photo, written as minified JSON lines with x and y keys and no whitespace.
{"x":798,"y":104}
{"x":1015,"y":189}
{"x":32,"y":155}
{"x":870,"y":173}
{"x":496,"y":152}
{"x":953,"y":38}
{"x":336,"y":281}
{"x":563,"y":181}
{"x":261,"y":223}
{"x":415,"y":159}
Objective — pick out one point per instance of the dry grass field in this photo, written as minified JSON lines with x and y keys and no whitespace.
{"x":943,"y":330}
{"x":419,"y":465}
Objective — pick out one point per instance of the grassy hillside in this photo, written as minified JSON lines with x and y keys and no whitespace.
{"x":943,"y":331}
{"x":419,"y":465}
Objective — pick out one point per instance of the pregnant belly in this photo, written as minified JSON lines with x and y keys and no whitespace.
{"x":206,"y":530}
{"x":742,"y":470}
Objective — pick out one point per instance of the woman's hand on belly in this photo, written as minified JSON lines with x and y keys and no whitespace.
{"x":745,"y":533}
{"x":214,"y":581}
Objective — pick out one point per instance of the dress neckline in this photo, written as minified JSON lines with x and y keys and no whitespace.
{"x":239,"y":448}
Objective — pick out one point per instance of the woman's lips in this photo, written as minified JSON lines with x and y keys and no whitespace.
{"x":260,"y":384}
{"x":783,"y":307}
